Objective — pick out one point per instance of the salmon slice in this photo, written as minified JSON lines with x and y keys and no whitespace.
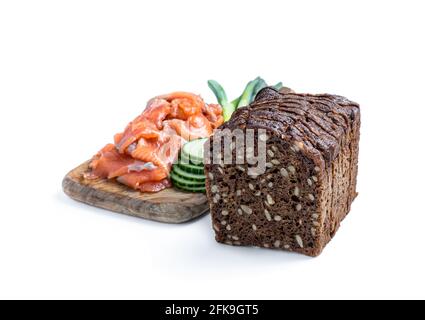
{"x":195,"y":127}
{"x":146,"y":126}
{"x":145,"y":150}
{"x":162,"y":154}
{"x":157,"y":110}
{"x":155,"y":186}
{"x":138,"y":129}
{"x":218,"y":123}
{"x":109,"y":163}
{"x":169,"y":151}
{"x":213,"y":112}
{"x":135,"y":179}
{"x":183,"y":108}
{"x":183,"y":104}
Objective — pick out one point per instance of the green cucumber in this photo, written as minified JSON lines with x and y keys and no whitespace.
{"x":194,"y":151}
{"x":186,"y":182}
{"x":185,"y":159}
{"x":190,"y":189}
{"x":187,"y":175}
{"x":191,"y":168}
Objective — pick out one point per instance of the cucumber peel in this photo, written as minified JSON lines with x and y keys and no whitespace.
{"x":185,"y":182}
{"x":190,"y":168}
{"x":190,"y":189}
{"x":189,"y":176}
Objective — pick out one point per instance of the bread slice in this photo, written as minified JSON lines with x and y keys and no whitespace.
{"x":298,"y":203}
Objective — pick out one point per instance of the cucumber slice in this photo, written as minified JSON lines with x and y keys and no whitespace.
{"x":185,"y":159}
{"x":191,"y":168}
{"x":186,"y":182}
{"x":187,"y":175}
{"x":190,"y":189}
{"x":194,"y":151}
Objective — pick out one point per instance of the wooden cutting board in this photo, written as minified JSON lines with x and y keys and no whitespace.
{"x":169,"y":205}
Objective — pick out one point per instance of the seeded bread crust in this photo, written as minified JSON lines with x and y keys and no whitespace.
{"x":310,"y":183}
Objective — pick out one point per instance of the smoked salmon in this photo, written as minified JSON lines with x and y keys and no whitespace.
{"x":142,"y":156}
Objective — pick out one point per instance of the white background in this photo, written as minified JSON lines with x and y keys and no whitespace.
{"x":73,"y":73}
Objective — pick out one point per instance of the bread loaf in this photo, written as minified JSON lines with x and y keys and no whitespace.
{"x":309,"y":183}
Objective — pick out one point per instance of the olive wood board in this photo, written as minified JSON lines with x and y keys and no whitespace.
{"x":169,"y":205}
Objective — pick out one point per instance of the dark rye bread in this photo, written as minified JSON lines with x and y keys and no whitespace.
{"x":310,"y":183}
